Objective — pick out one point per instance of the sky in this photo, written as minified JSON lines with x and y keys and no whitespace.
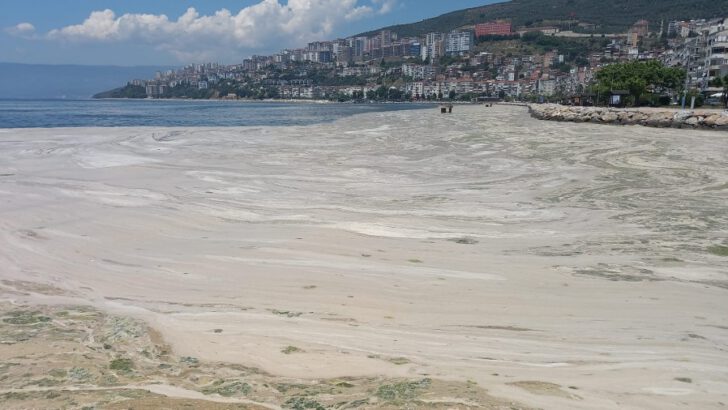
{"x":176,"y":32}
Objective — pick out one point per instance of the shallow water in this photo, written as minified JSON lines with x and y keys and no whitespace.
{"x":175,"y":113}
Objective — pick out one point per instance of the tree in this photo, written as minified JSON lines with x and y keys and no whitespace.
{"x":723,"y":83}
{"x":382,"y":93}
{"x":639,"y":78}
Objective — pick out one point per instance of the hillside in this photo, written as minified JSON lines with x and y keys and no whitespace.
{"x":128,"y":91}
{"x":609,"y":16}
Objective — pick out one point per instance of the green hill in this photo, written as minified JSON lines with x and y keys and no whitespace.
{"x":127,"y":91}
{"x":609,"y":16}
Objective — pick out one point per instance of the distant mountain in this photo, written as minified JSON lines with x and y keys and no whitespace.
{"x":609,"y":16}
{"x":29,"y":81}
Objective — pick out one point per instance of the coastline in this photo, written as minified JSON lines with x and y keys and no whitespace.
{"x":379,"y":251}
{"x":649,"y":117}
{"x":241,"y":100}
{"x":289,"y":101}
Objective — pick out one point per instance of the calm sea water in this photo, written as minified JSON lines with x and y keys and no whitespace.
{"x":175,"y":113}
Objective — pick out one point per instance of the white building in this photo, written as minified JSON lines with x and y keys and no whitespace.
{"x":547,"y":87}
{"x":459,"y":42}
{"x":434,"y":46}
{"x":716,"y":53}
{"x":705,"y":55}
{"x":418,"y":72}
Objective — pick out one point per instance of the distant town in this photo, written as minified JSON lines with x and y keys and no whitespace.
{"x":492,"y":60}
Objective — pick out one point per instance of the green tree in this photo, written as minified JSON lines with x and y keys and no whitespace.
{"x":722,"y":83}
{"x":639,"y":78}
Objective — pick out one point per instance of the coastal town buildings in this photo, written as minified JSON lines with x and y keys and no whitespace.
{"x":703,"y":51}
{"x":466,"y":63}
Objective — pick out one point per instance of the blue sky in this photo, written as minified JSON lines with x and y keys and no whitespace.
{"x":168,"y":32}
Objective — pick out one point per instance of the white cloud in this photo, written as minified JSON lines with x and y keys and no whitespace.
{"x":385,"y":6}
{"x":267,"y":25}
{"x":21,"y":30}
{"x":359,"y":13}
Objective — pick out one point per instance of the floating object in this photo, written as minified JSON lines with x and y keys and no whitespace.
{"x":446,"y":109}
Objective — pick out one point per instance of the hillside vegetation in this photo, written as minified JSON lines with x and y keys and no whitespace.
{"x":609,"y":16}
{"x":128,"y":91}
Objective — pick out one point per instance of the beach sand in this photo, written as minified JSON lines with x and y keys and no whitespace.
{"x":554,"y":265}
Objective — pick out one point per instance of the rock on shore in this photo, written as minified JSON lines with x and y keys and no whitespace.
{"x":650,"y":117}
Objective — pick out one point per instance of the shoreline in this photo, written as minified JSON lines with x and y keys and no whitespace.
{"x":704,"y":119}
{"x":290,"y":101}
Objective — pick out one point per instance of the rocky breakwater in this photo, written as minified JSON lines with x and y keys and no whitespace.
{"x":649,"y":117}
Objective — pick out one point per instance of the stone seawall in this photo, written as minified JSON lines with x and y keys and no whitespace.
{"x":649,"y":117}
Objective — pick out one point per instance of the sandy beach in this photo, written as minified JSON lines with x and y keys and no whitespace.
{"x":511,"y":263}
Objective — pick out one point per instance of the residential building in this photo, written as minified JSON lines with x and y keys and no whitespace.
{"x":716,"y":53}
{"x":498,"y":28}
{"x":418,"y":72}
{"x":434,"y":47}
{"x":459,"y":42}
{"x":546,"y":87}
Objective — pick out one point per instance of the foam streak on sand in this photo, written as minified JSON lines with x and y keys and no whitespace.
{"x":485,"y":245}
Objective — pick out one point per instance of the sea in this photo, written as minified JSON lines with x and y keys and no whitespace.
{"x":177,"y":113}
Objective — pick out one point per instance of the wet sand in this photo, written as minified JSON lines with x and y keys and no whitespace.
{"x":555,"y":265}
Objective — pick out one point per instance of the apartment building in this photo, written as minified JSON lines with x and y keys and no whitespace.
{"x":716,"y":50}
{"x":459,"y":42}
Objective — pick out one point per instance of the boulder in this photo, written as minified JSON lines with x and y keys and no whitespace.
{"x":722,"y":121}
{"x":645,"y":117}
{"x":710,"y":120}
{"x":692,"y":121}
{"x":659,"y":119}
{"x":608,"y":117}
